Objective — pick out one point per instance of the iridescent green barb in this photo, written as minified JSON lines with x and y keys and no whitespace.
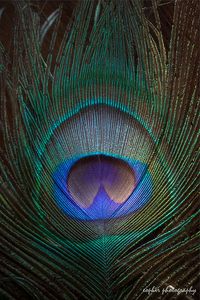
{"x":100,"y":151}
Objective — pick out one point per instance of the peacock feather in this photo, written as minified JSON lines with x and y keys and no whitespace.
{"x":99,"y":157}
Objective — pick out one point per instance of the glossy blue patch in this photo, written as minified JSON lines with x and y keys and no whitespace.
{"x":102,"y":207}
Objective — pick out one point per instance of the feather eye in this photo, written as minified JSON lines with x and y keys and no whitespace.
{"x":99,"y":155}
{"x":110,"y":168}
